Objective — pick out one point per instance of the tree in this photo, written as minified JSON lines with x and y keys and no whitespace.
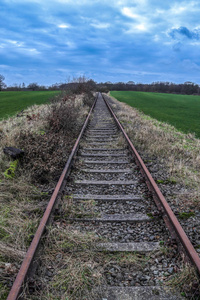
{"x":2,"y":84}
{"x":33,"y":86}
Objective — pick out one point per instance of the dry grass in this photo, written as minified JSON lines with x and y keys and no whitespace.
{"x":21,"y":201}
{"x":74,"y":273}
{"x":70,"y":208}
{"x":77,"y":268}
{"x":187,"y":282}
{"x":179,"y":152}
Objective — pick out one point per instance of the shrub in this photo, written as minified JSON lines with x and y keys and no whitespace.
{"x":10,"y":172}
{"x":46,"y":153}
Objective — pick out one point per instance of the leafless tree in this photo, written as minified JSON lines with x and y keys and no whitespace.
{"x":2,"y":84}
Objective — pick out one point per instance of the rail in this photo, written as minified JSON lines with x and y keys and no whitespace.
{"x":171,"y":222}
{"x":31,"y":253}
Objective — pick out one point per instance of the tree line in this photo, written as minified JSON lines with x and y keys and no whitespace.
{"x":82,"y":84}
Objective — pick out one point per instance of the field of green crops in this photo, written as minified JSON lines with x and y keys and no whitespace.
{"x":13,"y":102}
{"x":181,"y":111}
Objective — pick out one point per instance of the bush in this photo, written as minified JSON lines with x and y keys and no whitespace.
{"x":63,"y":116}
{"x":88,"y":99}
{"x":47,"y":151}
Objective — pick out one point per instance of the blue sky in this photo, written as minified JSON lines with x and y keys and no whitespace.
{"x":48,"y":41}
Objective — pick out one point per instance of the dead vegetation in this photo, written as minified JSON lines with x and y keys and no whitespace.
{"x":67,"y":273}
{"x":72,"y":268}
{"x":70,"y":208}
{"x":186,"y":281}
{"x":46,"y":133}
{"x":47,"y":149}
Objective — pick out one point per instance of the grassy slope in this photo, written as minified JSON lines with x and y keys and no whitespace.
{"x":181,"y":111}
{"x":13,"y":102}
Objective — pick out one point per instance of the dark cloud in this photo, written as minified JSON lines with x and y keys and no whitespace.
{"x":181,"y":32}
{"x":98,"y":42}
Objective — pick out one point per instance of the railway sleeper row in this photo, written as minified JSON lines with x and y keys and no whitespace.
{"x":122,"y":214}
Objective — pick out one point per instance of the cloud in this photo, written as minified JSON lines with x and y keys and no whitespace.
{"x":140,"y":22}
{"x":100,"y":25}
{"x":64,"y":26}
{"x":184,"y":32}
{"x":71,"y":45}
{"x":184,"y":7}
{"x":130,"y":12}
{"x":55,"y":37}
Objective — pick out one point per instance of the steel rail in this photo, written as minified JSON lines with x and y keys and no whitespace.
{"x":30,"y":255}
{"x":161,"y":201}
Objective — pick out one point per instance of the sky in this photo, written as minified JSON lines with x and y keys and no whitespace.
{"x":51,"y":41}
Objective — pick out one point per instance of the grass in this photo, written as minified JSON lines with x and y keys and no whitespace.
{"x":22,"y":201}
{"x":13,"y":102}
{"x":181,"y":111}
{"x":186,"y":215}
{"x":78,"y":269}
{"x":187,"y":282}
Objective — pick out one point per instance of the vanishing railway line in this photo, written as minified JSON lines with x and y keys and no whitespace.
{"x":109,"y":173}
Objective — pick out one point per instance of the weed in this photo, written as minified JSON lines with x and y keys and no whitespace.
{"x":160,"y":181}
{"x":3,"y":292}
{"x":150,"y":215}
{"x":164,"y":250}
{"x":186,"y":215}
{"x":41,"y":132}
{"x":10,"y":172}
{"x":80,"y":209}
{"x":75,"y":274}
{"x":166,"y":181}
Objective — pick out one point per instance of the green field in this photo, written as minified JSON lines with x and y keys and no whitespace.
{"x":13,"y":102}
{"x":181,"y":111}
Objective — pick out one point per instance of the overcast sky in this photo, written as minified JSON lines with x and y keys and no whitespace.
{"x":46,"y":41}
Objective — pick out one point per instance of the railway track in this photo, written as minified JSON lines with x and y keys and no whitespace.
{"x":115,"y":197}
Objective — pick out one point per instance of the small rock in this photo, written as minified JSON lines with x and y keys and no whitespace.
{"x":155,"y":272}
{"x":13,"y":152}
{"x":170,"y":270}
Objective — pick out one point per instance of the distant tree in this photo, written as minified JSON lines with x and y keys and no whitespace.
{"x":2,"y":84}
{"x":130,"y":82}
{"x":33,"y":86}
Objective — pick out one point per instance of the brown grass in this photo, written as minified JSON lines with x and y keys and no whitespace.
{"x":43,"y":132}
{"x":77,"y":268}
{"x":187,"y":282}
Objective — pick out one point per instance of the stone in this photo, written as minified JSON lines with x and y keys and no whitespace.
{"x":14,"y":153}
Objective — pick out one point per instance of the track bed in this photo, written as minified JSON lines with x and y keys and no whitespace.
{"x":106,"y":196}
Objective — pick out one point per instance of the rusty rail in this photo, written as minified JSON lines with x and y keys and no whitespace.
{"x":168,"y":215}
{"x":30,"y":255}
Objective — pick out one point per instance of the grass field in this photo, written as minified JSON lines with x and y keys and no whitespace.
{"x":181,"y":111}
{"x":13,"y":102}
